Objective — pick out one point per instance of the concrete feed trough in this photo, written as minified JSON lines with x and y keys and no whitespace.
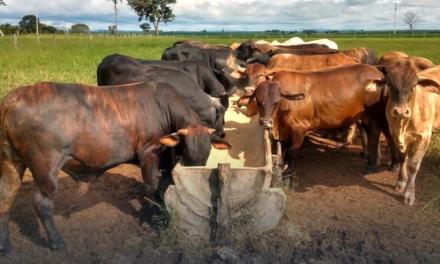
{"x":206,"y":201}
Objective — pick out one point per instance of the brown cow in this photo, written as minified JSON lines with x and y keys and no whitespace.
{"x":334,"y":98}
{"x":309,"y":62}
{"x":413,"y":114}
{"x":363,"y":55}
{"x":394,"y":58}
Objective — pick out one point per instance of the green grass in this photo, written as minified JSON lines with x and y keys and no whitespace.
{"x":74,"y":59}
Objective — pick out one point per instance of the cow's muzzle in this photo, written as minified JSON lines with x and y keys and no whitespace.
{"x":266,"y":123}
{"x":404,"y":112}
{"x":249,"y":90}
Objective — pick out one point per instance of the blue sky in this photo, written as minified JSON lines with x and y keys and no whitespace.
{"x":215,"y":15}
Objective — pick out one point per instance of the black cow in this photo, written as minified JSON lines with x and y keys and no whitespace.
{"x":199,"y":72}
{"x":86,"y":130}
{"x":221,"y":62}
{"x":116,"y":69}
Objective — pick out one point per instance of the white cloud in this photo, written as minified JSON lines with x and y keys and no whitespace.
{"x":234,"y":14}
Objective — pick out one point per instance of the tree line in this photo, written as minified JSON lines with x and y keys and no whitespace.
{"x":152,"y":11}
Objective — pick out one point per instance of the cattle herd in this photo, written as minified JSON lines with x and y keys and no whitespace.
{"x":140,"y":108}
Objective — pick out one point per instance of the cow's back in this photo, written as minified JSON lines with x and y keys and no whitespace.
{"x":309,"y":62}
{"x":333,"y":97}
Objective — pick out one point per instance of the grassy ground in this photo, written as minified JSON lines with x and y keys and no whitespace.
{"x":74,"y":59}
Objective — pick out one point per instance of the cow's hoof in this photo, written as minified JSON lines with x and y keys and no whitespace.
{"x":409,"y":198}
{"x":394,"y":167}
{"x":371,"y":170}
{"x":400,"y":186}
{"x":5,"y":248}
{"x":57,"y":245}
{"x":363,"y":155}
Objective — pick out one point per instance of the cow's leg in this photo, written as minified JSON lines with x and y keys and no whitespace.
{"x":415,"y":158}
{"x":292,"y":157}
{"x":373,"y":132}
{"x":149,"y":159}
{"x":10,"y":182}
{"x":351,"y":135}
{"x":403,"y":175}
{"x":364,"y":140}
{"x":45,"y":169}
{"x":396,"y":157}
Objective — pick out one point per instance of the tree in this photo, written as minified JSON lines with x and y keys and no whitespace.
{"x":28,"y":24}
{"x":8,"y":29}
{"x":156,"y":11}
{"x":112,"y":29}
{"x":80,"y":28}
{"x":2,"y":3}
{"x":411,"y":19}
{"x":115,"y":3}
{"x":145,"y":27}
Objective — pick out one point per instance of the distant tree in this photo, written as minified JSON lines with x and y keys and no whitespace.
{"x":112,"y":29}
{"x":309,"y":31}
{"x":411,"y":19}
{"x":8,"y":29}
{"x":115,"y":3}
{"x":2,"y":3}
{"x":155,"y":11}
{"x":48,"y":29}
{"x":145,"y":27}
{"x":80,"y":28}
{"x":28,"y":24}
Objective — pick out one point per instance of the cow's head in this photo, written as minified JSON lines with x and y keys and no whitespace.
{"x":223,"y":70}
{"x":402,"y":80}
{"x":362,"y":55}
{"x":254,"y":74}
{"x":267,"y":97}
{"x":197,"y":141}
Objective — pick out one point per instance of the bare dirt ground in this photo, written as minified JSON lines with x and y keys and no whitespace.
{"x":335,"y":215}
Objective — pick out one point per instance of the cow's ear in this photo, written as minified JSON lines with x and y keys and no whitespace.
{"x":170,"y":140}
{"x":252,"y":107}
{"x":183,"y":132}
{"x":243,"y":101}
{"x":298,"y":96}
{"x":382,"y":69}
{"x":431,"y":85}
{"x":220,"y":144}
{"x":237,"y":74}
{"x":235,"y":45}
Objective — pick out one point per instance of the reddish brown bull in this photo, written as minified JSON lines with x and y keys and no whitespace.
{"x":334,"y":98}
{"x":84,"y":131}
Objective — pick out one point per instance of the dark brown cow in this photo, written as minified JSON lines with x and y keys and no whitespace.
{"x":413,"y":114}
{"x":200,"y":44}
{"x":84,"y":131}
{"x":257,"y":52}
{"x":334,"y":98}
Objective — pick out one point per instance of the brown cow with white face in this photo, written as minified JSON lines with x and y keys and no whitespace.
{"x":413,"y":114}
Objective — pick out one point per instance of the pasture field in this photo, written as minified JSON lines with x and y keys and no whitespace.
{"x":335,"y":214}
{"x":74,"y":59}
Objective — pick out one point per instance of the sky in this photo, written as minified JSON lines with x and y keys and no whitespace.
{"x":234,"y":15}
